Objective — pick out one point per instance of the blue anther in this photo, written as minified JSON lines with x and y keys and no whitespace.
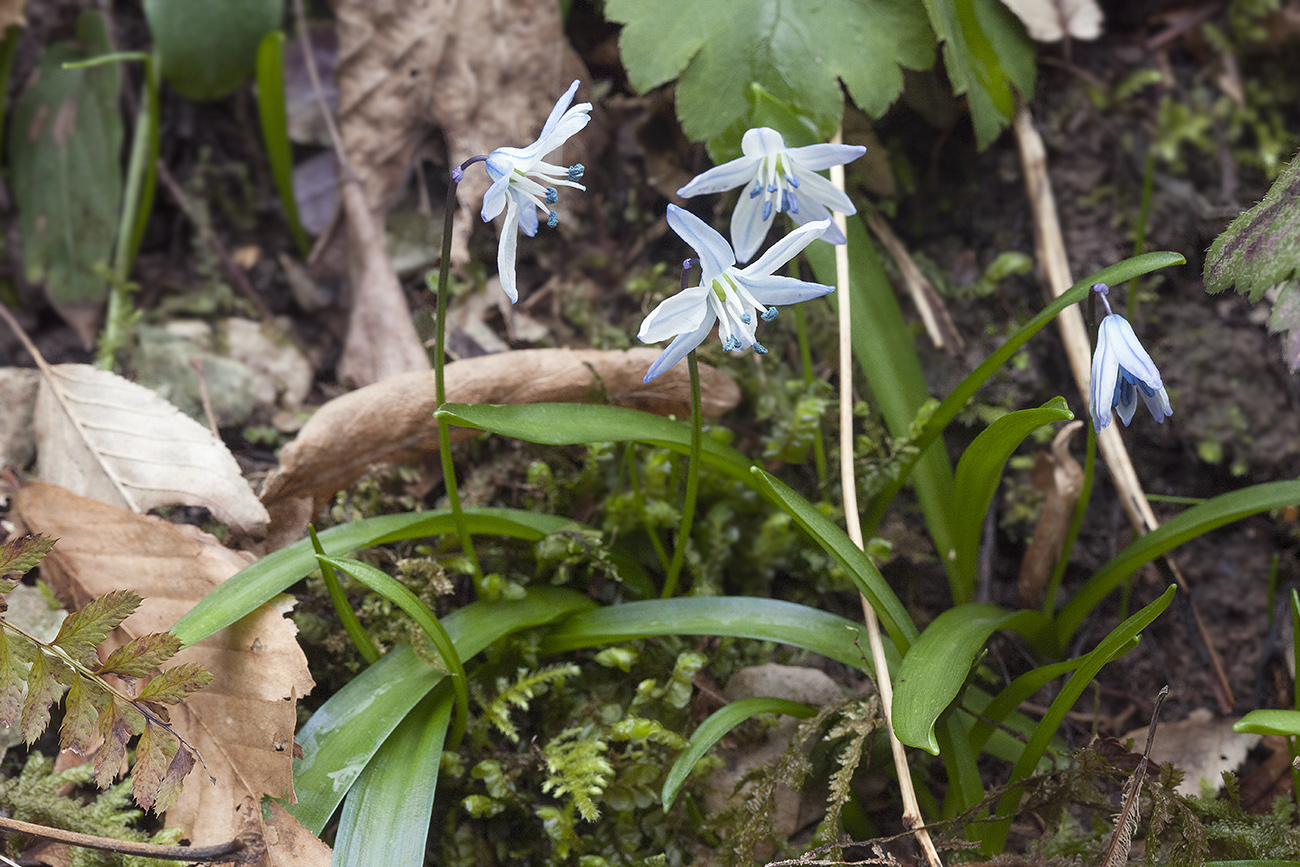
{"x":552,"y":195}
{"x":553,"y":220}
{"x":730,"y":344}
{"x":792,"y":181}
{"x":790,"y":202}
{"x":769,"y":314}
{"x":772,"y":188}
{"x":759,"y":348}
{"x":767,"y":210}
{"x":758,"y":189}
{"x":745,"y":318}
{"x":458,"y":174}
{"x":576,"y":171}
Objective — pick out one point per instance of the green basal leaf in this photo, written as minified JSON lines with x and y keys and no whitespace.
{"x":345,"y":733}
{"x":765,"y":110}
{"x":989,"y":57}
{"x":882,"y":345}
{"x":937,"y":664}
{"x":993,"y":836}
{"x":271,"y":108}
{"x":560,"y":424}
{"x":65,"y":152}
{"x":834,"y":541}
{"x":386,"y":814}
{"x":736,"y":616}
{"x":798,"y":52}
{"x":979,"y":472}
{"x":209,"y":47}
{"x":1193,"y":522}
{"x":713,"y":729}
{"x":1269,"y":722}
{"x":254,"y":586}
{"x":1261,"y":248}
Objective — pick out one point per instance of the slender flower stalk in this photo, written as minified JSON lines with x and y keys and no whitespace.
{"x":692,"y":477}
{"x":1121,"y":370}
{"x":780,"y":180}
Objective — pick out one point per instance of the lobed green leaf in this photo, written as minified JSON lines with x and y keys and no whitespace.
{"x":19,"y":556}
{"x":209,"y":47}
{"x":153,"y":754}
{"x":43,"y":689}
{"x":82,"y":631}
{"x":118,"y":723}
{"x":141,"y":655}
{"x":172,"y":685}
{"x":12,"y":675}
{"x":1261,"y":248}
{"x":81,"y":708}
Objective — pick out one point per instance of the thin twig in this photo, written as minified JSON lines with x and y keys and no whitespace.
{"x":210,"y":238}
{"x":938,"y":323}
{"x":247,"y":848}
{"x":912,"y":819}
{"x":204,"y":397}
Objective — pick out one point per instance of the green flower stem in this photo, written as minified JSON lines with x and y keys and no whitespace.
{"x":439,"y":384}
{"x":805,"y":359}
{"x":692,"y":481}
{"x":365,"y":644}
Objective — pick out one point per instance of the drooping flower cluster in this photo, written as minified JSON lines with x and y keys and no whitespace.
{"x":1121,"y":370}
{"x":732,"y":298}
{"x":523,"y":184}
{"x":779,"y":180}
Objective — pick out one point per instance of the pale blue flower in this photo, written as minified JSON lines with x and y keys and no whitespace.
{"x":734,"y":298}
{"x":522,"y":184}
{"x":1121,"y":370}
{"x":780,"y":180}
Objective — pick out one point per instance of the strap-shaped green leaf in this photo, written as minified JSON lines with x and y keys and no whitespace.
{"x":1269,"y":722}
{"x":275,"y":130}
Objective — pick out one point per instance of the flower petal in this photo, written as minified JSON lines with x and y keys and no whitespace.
{"x":774,"y":290}
{"x":679,"y":314}
{"x":714,"y":251}
{"x":1158,"y":404}
{"x":727,"y":176}
{"x":557,"y":112}
{"x":1101,"y":391}
{"x":506,"y":250}
{"x":748,"y":228}
{"x":823,"y":156}
{"x":495,"y":198}
{"x":762,"y":141}
{"x":528,"y":218}
{"x":811,"y":211}
{"x":678,"y":349}
{"x":785,"y":249}
{"x":813,"y":186}
{"x":1116,"y":333}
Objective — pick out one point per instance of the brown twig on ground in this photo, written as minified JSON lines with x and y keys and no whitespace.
{"x":204,"y":397}
{"x":245,"y":849}
{"x":210,"y":238}
{"x":1055,"y":264}
{"x":938,"y":324}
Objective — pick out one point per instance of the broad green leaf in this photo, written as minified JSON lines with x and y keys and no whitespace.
{"x":65,"y":147}
{"x":275,"y":131}
{"x":561,"y":424}
{"x":1261,"y":248}
{"x":798,"y":52}
{"x":764,"y":110}
{"x":834,"y":541}
{"x":1269,"y":722}
{"x":989,"y":57}
{"x":209,"y":47}
{"x":979,"y":472}
{"x":1196,"y":521}
{"x":937,"y":664}
{"x":345,"y":733}
{"x":993,"y":836}
{"x":385,"y":818}
{"x":713,"y":729}
{"x":956,"y":401}
{"x":401,"y":596}
{"x":252,"y":587}
{"x":883,"y":347}
{"x":735,"y":616}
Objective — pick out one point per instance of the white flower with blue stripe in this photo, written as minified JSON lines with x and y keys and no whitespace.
{"x":732,"y":298}
{"x":1122,"y":370}
{"x":779,"y":180}
{"x":522,"y":184}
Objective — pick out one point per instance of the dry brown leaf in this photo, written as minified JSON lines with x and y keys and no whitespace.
{"x":1202,"y":745}
{"x":289,"y":844}
{"x":243,"y":722}
{"x":11,"y":14}
{"x":392,"y":421}
{"x":104,"y":437}
{"x":1052,"y":20}
{"x":1058,"y":475}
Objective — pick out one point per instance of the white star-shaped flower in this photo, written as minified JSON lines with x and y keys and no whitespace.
{"x":1121,"y":370}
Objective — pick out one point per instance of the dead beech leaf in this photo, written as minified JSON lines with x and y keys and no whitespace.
{"x":243,"y":722}
{"x":392,"y":421}
{"x":104,"y":437}
{"x":289,"y":844}
{"x":1201,"y":745}
{"x":1052,"y":20}
{"x":11,"y":14}
{"x":1058,"y":475}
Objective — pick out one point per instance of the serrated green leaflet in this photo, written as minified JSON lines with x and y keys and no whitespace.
{"x":798,"y":52}
{"x":1261,"y":248}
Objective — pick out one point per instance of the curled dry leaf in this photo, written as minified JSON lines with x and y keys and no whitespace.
{"x":1058,"y":475}
{"x":104,"y":437}
{"x":392,"y":421}
{"x":1053,"y":20}
{"x":243,"y":722}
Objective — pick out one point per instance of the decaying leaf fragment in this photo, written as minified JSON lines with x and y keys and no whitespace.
{"x":105,"y":437}
{"x":243,"y":722}
{"x":1058,"y":475}
{"x":1054,"y":20}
